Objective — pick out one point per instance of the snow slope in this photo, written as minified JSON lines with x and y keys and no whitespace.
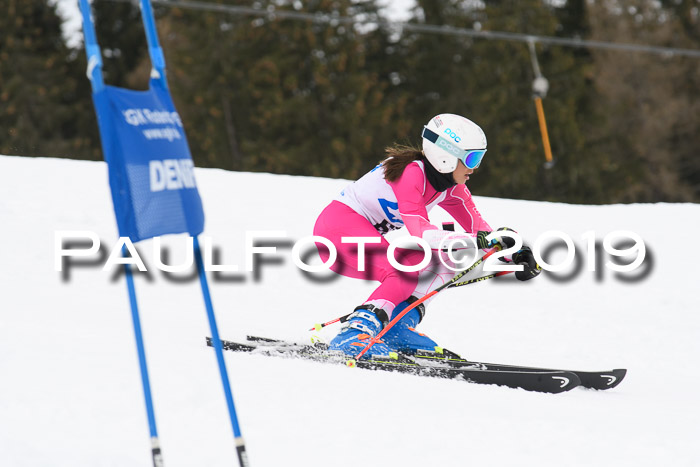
{"x":70,"y":392}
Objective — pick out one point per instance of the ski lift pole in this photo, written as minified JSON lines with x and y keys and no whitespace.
{"x":540,"y":86}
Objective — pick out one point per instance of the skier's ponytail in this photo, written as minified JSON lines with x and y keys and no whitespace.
{"x":398,"y":157}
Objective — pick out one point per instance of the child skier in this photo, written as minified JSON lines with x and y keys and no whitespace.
{"x":399,"y":193}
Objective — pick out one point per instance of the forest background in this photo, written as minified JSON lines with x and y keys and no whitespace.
{"x":269,"y":94}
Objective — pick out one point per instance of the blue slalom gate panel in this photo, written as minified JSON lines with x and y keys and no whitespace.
{"x":151,"y":173}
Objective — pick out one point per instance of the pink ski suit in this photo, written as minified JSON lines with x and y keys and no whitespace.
{"x":371,"y":207}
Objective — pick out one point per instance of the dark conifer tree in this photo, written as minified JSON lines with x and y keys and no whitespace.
{"x":43,"y":99}
{"x":280,"y":95}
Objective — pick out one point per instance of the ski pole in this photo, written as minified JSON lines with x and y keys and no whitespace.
{"x":319,"y":326}
{"x":353,"y":361}
{"x":344,"y":318}
{"x":479,"y":279}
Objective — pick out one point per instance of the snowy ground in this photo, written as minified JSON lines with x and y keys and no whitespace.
{"x":70,"y":391}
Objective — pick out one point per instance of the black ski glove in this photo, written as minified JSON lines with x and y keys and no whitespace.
{"x":527,"y":259}
{"x":482,"y":243}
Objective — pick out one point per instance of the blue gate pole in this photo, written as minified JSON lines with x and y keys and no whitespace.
{"x":155,"y":444}
{"x":92,"y":48}
{"x":238,"y":438}
{"x":94,"y":73}
{"x":154,"y":49}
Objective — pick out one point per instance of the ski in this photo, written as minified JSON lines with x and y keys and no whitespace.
{"x":547,"y":381}
{"x":600,"y":380}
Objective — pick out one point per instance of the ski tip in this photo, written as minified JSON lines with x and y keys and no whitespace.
{"x":615,"y":378}
{"x":602,"y":380}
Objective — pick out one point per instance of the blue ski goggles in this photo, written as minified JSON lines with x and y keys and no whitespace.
{"x":469,"y":157}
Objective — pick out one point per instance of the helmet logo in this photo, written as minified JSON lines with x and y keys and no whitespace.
{"x":453,"y":135}
{"x":444,"y":144}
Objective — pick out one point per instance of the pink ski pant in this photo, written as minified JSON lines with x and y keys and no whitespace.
{"x":339,"y":220}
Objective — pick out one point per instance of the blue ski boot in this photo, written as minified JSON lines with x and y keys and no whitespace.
{"x":364,"y":323}
{"x":403,"y":337}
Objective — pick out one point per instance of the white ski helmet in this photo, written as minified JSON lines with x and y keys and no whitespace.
{"x":448,"y":138}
